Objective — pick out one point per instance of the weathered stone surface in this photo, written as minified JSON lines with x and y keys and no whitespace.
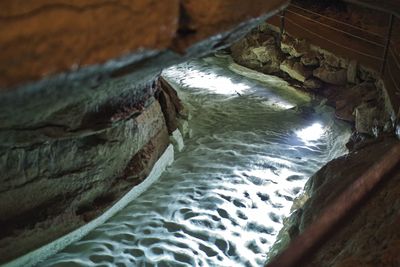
{"x":331,"y":75}
{"x":142,"y":163}
{"x":371,"y":237}
{"x":330,"y":59}
{"x":42,"y":37}
{"x":352,"y":72}
{"x":368,"y":239}
{"x":352,"y":97}
{"x":200,"y":19}
{"x":170,"y":104}
{"x":367,"y":74}
{"x":310,"y":59}
{"x":293,"y":47}
{"x":295,"y":70}
{"x":63,"y":166}
{"x":312,"y":83}
{"x":258,"y":52}
{"x":366,"y":117}
{"x":66,"y":176}
{"x":170,"y":114}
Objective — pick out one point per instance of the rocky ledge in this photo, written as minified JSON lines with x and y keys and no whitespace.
{"x":353,"y":90}
{"x":56,"y":178}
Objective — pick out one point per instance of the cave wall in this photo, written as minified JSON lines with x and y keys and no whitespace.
{"x":351,"y":31}
{"x":42,"y":37}
{"x":83,"y":113}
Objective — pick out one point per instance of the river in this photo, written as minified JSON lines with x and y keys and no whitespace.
{"x":254,"y":143}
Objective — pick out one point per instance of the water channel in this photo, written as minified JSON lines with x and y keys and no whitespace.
{"x":254,"y":143}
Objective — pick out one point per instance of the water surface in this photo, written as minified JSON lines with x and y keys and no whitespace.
{"x":222,"y":202}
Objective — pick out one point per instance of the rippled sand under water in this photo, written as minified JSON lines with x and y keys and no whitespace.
{"x":223,"y":200}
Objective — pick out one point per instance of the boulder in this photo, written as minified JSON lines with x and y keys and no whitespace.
{"x":312,"y":83}
{"x":310,"y":59}
{"x":266,"y":59}
{"x":295,"y":70}
{"x":293,"y":47}
{"x":352,"y":72}
{"x":334,"y":61}
{"x":366,"y":118}
{"x":366,"y":74}
{"x":331,"y":75}
{"x":349,"y":99}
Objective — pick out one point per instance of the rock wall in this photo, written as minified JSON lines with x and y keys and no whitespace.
{"x":369,"y":236}
{"x":56,"y":177}
{"x":353,"y":90}
{"x":46,"y":37}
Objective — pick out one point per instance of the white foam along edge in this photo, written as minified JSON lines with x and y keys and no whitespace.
{"x":40,"y":254}
{"x":177,"y":140}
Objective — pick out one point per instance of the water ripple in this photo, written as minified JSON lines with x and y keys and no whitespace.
{"x":224,"y":199}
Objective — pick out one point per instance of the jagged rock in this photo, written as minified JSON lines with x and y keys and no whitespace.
{"x":68,"y":175}
{"x":310,"y":59}
{"x":170,"y":104}
{"x":265,"y":59}
{"x":352,"y":72}
{"x":295,"y":70}
{"x":266,"y":38}
{"x":312,"y":83}
{"x":349,"y":99}
{"x":293,"y":47}
{"x":334,"y":60}
{"x":366,"y":117}
{"x":70,"y":160}
{"x":366,"y":74}
{"x":331,"y":75}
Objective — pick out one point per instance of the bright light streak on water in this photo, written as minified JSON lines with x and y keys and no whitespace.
{"x":311,"y":133}
{"x":213,"y":83}
{"x":223,"y":200}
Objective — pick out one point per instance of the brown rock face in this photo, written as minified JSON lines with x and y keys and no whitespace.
{"x":369,"y":236}
{"x":42,"y":37}
{"x":200,"y":19}
{"x":347,"y":100}
{"x":170,"y":104}
{"x":331,"y":75}
{"x":43,"y":183}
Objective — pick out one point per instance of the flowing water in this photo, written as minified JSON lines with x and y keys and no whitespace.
{"x":254,"y":143}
